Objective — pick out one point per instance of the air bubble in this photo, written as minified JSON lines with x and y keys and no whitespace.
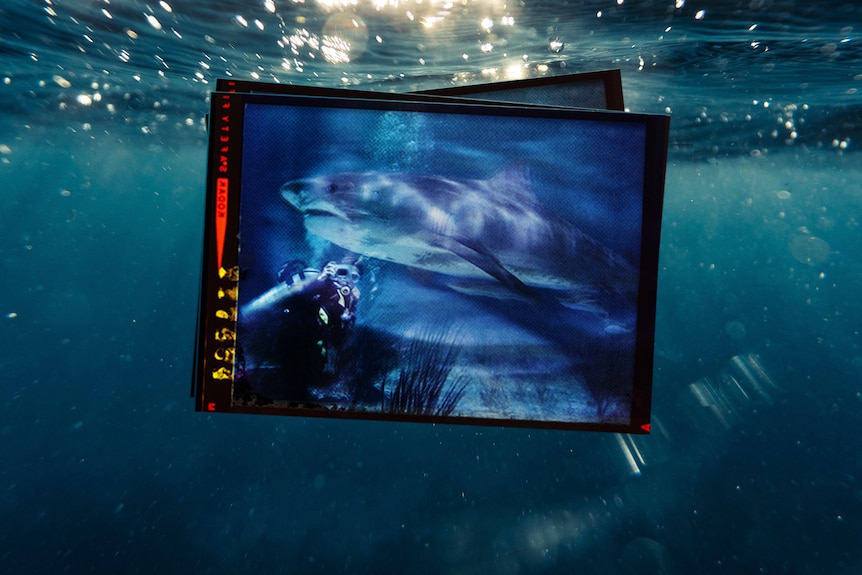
{"x":735,"y":329}
{"x":62,"y":82}
{"x":809,"y":249}
{"x":153,"y":21}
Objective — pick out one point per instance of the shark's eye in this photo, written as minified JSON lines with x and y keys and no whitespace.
{"x":341,"y":186}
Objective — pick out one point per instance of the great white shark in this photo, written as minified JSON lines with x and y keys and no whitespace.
{"x":471,"y":230}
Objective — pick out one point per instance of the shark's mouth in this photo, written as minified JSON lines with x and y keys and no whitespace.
{"x":323,"y":210}
{"x":318,"y":212}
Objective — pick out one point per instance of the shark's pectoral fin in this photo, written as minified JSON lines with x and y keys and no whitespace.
{"x":478,"y":255}
{"x":581,"y":299}
{"x":489,"y":288}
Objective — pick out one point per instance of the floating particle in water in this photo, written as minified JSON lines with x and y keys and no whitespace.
{"x":11,"y":315}
{"x":809,"y":249}
{"x":556,"y":45}
{"x":65,"y":193}
{"x":4,"y":149}
{"x":319,"y":481}
{"x":735,"y":329}
{"x":783,"y":194}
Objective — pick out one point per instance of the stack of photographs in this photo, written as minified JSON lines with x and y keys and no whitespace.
{"x":483,"y":255}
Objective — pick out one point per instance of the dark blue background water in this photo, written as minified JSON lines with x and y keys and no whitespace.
{"x":105,"y":468}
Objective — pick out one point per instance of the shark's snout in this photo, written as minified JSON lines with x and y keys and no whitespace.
{"x":294,"y":187}
{"x":294,"y":193}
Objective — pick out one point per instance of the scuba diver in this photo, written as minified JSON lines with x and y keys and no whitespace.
{"x":294,"y":331}
{"x":322,"y":302}
{"x":304,"y":322}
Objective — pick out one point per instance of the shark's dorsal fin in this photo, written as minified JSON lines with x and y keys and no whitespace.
{"x":515,"y":181}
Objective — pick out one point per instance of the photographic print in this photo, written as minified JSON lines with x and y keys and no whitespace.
{"x":598,"y":90}
{"x":431,"y":262}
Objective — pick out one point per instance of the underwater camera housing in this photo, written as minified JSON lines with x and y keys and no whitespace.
{"x":430,"y":258}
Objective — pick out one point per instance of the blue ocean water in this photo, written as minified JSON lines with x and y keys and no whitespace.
{"x":753,"y":464}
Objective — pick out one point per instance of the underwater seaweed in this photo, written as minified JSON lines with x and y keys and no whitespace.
{"x":425,"y":368}
{"x":363,"y":363}
{"x":607,"y":378}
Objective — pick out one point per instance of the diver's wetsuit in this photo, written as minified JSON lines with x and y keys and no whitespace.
{"x":314,"y":324}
